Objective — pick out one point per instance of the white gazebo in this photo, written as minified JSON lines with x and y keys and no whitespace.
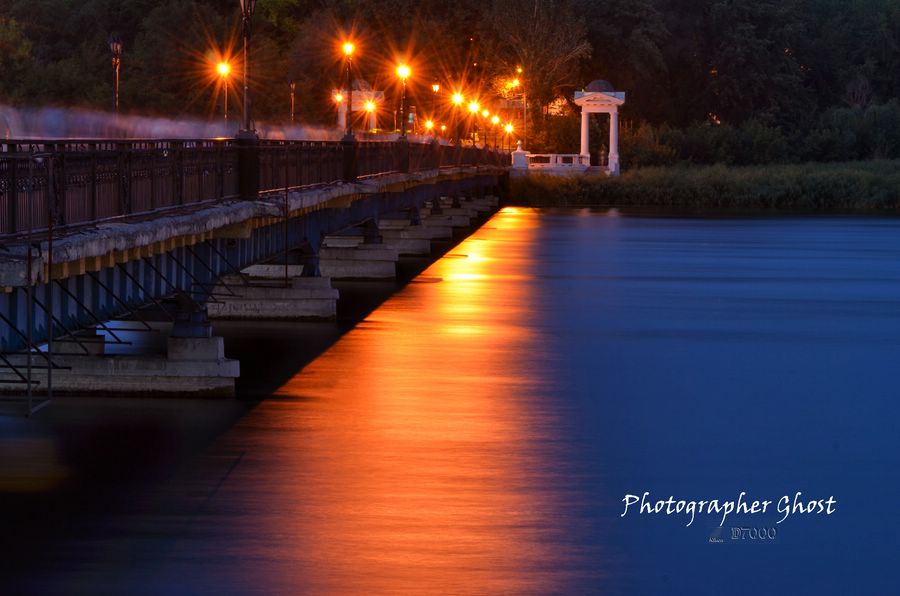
{"x":601,"y":98}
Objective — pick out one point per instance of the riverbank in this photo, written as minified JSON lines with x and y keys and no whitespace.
{"x":854,"y":186}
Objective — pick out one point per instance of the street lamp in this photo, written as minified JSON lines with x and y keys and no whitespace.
{"x":473,"y":110}
{"x":247,"y":8}
{"x":293,"y":85}
{"x":117,"y":48}
{"x":370,"y":110}
{"x":515,"y":84}
{"x":508,"y":129}
{"x":435,"y":89}
{"x":458,"y":101}
{"x":348,"y":48}
{"x":339,"y":104}
{"x":495,"y":120}
{"x":403,"y":72}
{"x":224,"y":69}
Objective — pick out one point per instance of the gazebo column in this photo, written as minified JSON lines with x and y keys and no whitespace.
{"x":614,"y":142}
{"x":585,"y":135}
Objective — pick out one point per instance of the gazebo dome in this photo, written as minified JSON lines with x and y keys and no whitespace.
{"x":599,"y":86}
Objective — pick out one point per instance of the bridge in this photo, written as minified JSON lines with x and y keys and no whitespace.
{"x":97,"y":231}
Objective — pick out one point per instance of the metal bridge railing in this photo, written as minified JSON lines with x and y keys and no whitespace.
{"x":77,"y":182}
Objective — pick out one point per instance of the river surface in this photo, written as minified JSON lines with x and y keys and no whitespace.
{"x":478,"y":432}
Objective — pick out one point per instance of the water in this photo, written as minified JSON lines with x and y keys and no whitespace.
{"x":477,"y":433}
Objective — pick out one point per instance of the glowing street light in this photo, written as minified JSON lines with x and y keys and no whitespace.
{"x":403,"y":72}
{"x":224,"y":70}
{"x":485,"y":113}
{"x":458,"y":101}
{"x":435,"y":89}
{"x":338,"y":98}
{"x":473,"y":110}
{"x":348,"y":48}
{"x":515,"y":84}
{"x":429,"y":124}
{"x":495,"y":120}
{"x":370,"y":110}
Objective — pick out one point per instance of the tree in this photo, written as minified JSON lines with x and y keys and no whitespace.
{"x":544,"y":37}
{"x":15,"y":59}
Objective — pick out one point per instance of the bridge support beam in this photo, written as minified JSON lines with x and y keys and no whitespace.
{"x":364,"y":261}
{"x":440,"y":213}
{"x":406,"y":234}
{"x":192,"y":366}
{"x":266,"y":297}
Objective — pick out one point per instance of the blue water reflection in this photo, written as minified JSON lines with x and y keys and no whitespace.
{"x":477,"y":433}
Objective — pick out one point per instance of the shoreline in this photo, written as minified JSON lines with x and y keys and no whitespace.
{"x":865,"y":187}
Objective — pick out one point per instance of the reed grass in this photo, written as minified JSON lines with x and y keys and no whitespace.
{"x":853,"y":186}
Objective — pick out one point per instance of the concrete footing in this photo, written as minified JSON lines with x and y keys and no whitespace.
{"x":192,"y":367}
{"x":365,"y":261}
{"x":267,"y":297}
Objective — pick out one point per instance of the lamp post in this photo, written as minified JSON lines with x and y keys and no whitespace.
{"x":247,"y":8}
{"x":348,"y":48}
{"x":458,"y":100}
{"x":117,"y":48}
{"x":515,"y":84}
{"x":224,"y":69}
{"x":508,"y":129}
{"x":495,"y":120}
{"x":246,"y":140}
{"x":293,"y":85}
{"x":473,"y":110}
{"x":524,"y":111}
{"x":348,"y":143}
{"x":435,"y":89}
{"x":403,"y":73}
{"x":370,"y":112}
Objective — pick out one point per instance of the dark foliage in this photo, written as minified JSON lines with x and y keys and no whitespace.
{"x":707,"y":80}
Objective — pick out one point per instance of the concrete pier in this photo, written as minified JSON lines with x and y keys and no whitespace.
{"x":365,"y":261}
{"x":407,"y":238}
{"x":194,"y":366}
{"x":267,"y":298}
{"x":410,"y":241}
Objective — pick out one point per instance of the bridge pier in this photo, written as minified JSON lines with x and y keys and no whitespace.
{"x":263,"y":295}
{"x":362,"y":257}
{"x":192,"y":366}
{"x":365,"y":261}
{"x":447,"y":212}
{"x":406,"y":234}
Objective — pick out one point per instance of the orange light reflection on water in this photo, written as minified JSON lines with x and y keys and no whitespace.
{"x":413,"y":472}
